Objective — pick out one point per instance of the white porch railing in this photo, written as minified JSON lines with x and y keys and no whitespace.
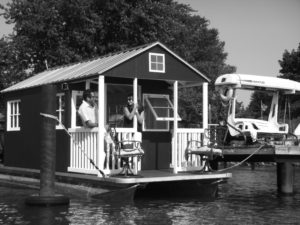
{"x":193,"y":162}
{"x":84,"y":146}
{"x":184,"y":135}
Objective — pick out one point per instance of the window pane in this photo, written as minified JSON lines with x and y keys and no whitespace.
{"x":11,"y":121}
{"x":57,"y":102}
{"x":153,"y":58}
{"x":57,"y":115}
{"x":159,"y":59}
{"x":15,"y":122}
{"x":161,"y":106}
{"x":63,"y":102}
{"x":151,"y":123}
{"x":16,"y":107}
{"x":63,"y":117}
{"x":160,"y":67}
{"x":78,"y":103}
{"x":11,"y":108}
{"x":116,"y":100}
{"x":153,"y":66}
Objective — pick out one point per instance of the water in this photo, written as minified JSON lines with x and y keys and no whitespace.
{"x":250,"y":197}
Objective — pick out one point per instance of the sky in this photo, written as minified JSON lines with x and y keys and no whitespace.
{"x":256,"y":33}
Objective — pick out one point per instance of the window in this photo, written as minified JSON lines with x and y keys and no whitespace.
{"x":76,"y":102}
{"x":158,"y":112}
{"x":60,"y":111}
{"x":116,"y":99}
{"x":156,"y":62}
{"x":13,"y":115}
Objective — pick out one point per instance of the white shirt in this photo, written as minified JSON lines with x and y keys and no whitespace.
{"x":88,"y":112}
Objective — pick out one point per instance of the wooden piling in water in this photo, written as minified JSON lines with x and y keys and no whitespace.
{"x":285,"y":177}
{"x":47,"y":194}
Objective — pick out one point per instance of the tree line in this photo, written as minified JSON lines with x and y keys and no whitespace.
{"x":50,"y":33}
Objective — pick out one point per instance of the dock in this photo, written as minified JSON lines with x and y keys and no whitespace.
{"x":284,"y":155}
{"x":269,"y":153}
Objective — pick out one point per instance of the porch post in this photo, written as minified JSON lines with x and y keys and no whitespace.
{"x":87,"y":84}
{"x":205,"y":110}
{"x":175,"y":126}
{"x":135,"y":100}
{"x":101,"y":123}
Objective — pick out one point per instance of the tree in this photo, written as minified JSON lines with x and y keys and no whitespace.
{"x":57,"y":32}
{"x":290,"y":69}
{"x":259,"y":105}
{"x":290,"y":64}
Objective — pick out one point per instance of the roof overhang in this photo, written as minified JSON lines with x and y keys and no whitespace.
{"x":91,"y":68}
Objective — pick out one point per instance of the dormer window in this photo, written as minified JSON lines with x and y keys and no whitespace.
{"x":157,"y":62}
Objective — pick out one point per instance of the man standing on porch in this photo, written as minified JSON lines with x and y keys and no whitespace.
{"x":88,"y":111}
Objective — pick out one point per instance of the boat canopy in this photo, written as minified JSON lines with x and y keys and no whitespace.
{"x":255,"y":82}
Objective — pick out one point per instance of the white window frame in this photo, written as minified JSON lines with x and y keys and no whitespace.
{"x":153,"y":110}
{"x":73,"y":108}
{"x":156,"y":62}
{"x":10,"y":124}
{"x":59,"y":109}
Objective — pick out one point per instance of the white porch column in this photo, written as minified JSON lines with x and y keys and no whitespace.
{"x":175,"y":126}
{"x":101,"y":123}
{"x":135,"y":100}
{"x":205,"y":110}
{"x":87,"y":84}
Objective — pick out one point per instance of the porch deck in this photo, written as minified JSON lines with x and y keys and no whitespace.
{"x":145,"y":177}
{"x":152,"y":176}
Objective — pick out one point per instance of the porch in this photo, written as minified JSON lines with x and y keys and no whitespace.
{"x":87,"y":140}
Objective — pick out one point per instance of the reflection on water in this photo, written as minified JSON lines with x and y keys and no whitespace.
{"x":250,"y":197}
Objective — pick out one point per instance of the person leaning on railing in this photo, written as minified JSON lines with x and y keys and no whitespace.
{"x":133,"y":109}
{"x":88,"y":110}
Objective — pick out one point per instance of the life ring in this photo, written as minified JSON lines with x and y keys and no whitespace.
{"x":226,"y":94}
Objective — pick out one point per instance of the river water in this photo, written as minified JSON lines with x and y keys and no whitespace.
{"x":250,"y":197}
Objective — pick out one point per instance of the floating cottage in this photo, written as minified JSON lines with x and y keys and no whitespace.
{"x":153,"y":73}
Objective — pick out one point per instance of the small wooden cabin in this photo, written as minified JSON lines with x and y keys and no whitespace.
{"x":153,"y":73}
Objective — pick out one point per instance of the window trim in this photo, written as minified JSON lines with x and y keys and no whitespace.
{"x":9,"y":126}
{"x":171,"y":107}
{"x":75,"y":93}
{"x":163,"y":63}
{"x":152,"y":109}
{"x":59,"y":110}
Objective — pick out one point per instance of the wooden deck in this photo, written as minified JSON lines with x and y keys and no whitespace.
{"x":152,"y":176}
{"x":144,"y":177}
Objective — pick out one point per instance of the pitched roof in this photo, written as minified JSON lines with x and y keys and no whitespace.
{"x":89,"y":68}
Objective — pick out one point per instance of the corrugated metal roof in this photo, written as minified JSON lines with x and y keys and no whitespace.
{"x":87,"y":68}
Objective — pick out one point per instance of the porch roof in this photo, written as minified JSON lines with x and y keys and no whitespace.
{"x":92,"y":68}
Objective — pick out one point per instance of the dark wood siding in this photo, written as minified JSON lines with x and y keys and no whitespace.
{"x":22,"y":148}
{"x":157,"y":145}
{"x":138,"y":67}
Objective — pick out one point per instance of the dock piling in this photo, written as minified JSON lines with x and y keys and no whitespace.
{"x":47,"y":194}
{"x":285,"y":177}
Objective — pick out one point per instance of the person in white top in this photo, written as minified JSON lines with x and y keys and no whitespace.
{"x":88,"y":111}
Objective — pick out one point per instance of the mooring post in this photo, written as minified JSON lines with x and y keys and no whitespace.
{"x":285,"y":177}
{"x":48,"y":142}
{"x":47,"y":194}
